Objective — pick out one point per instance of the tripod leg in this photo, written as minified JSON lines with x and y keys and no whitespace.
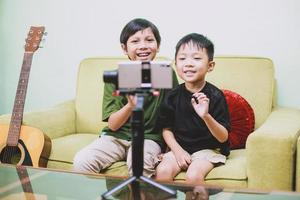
{"x":136,"y":192}
{"x":162,"y":187}
{"x":118,"y":187}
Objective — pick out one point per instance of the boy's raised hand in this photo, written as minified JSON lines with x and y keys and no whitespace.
{"x":132,"y":99}
{"x":200,"y":103}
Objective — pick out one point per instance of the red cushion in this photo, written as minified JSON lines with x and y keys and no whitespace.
{"x":241,"y":119}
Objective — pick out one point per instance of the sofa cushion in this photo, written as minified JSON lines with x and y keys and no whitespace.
{"x":234,"y":168}
{"x":70,"y":144}
{"x":233,"y":172}
{"x":73,"y":143}
{"x":241,"y":119}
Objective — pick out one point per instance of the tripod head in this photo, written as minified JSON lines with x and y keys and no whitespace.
{"x":138,"y":92}
{"x":140,"y":77}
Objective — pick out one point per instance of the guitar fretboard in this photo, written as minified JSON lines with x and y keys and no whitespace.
{"x":17,"y":114}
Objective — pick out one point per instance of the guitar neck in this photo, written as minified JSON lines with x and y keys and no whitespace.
{"x":25,"y":180}
{"x":18,"y":109}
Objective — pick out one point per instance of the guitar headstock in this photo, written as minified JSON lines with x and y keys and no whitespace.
{"x":34,"y":38}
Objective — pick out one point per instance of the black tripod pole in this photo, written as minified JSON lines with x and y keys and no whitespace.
{"x":137,"y":126}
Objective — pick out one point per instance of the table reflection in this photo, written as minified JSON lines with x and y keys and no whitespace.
{"x":142,"y":191}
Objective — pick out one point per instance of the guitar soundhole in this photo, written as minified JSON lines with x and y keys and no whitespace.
{"x":10,"y":155}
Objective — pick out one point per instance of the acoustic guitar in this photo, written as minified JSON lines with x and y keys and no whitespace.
{"x":24,"y":145}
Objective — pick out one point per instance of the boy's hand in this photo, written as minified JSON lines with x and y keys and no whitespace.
{"x":132,"y":99}
{"x":183,"y":159}
{"x":200,"y":103}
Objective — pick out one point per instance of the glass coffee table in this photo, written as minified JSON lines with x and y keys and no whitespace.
{"x":39,"y":183}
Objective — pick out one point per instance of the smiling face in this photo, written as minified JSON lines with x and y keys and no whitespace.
{"x":141,"y":46}
{"x":192,"y":64}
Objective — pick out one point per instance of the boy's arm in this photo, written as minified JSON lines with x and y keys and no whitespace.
{"x":217,"y":130}
{"x":113,"y":109}
{"x":183,"y":158}
{"x":120,"y":117}
{"x":200,"y":103}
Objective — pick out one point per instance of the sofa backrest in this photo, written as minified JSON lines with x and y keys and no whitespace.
{"x":251,"y":77}
{"x":89,"y":93}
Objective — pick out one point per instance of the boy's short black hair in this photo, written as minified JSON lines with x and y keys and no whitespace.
{"x":136,"y":25}
{"x":199,"y":40}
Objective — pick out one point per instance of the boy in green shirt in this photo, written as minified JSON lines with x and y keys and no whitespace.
{"x":140,"y":40}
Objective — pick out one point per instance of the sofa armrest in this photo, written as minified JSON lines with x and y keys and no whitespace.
{"x":54,"y":122}
{"x":271,"y":151}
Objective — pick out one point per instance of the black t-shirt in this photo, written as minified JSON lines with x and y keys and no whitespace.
{"x":190,"y":131}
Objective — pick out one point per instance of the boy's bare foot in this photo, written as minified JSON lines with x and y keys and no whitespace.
{"x":199,"y":193}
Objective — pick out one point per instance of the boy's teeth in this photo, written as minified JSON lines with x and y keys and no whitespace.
{"x":190,"y":72}
{"x":143,"y":54}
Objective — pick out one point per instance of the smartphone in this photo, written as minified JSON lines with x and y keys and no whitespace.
{"x":148,"y":75}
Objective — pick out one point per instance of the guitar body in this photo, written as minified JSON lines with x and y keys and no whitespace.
{"x":33,"y":148}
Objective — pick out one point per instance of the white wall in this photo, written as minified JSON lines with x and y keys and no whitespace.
{"x":79,"y":29}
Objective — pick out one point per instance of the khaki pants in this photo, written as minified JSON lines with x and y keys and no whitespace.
{"x":106,"y":150}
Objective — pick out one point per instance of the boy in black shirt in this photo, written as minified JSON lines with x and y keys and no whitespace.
{"x":194,"y":115}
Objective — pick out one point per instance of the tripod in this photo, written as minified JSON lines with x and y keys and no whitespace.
{"x":137,"y":126}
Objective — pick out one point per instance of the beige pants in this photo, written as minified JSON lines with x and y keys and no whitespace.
{"x":106,"y":150}
{"x":213,"y":156}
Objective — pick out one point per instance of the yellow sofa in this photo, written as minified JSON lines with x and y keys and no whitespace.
{"x":267,"y":162}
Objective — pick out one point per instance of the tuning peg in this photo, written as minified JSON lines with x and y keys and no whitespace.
{"x":45,"y":33}
{"x":42,"y":43}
